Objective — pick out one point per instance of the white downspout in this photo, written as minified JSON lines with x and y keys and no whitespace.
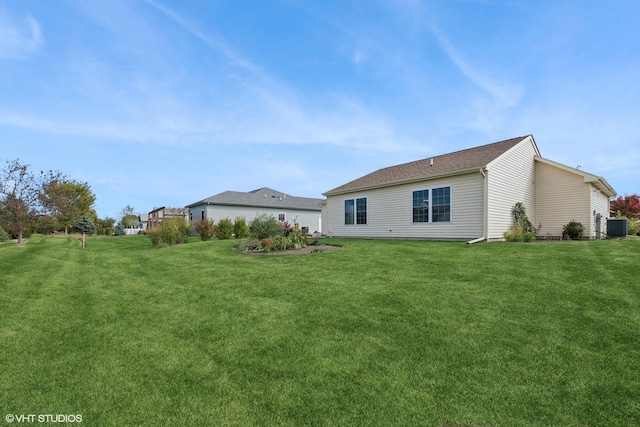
{"x":485,"y":209}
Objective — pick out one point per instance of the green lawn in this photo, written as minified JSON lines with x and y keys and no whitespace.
{"x":376,"y":333}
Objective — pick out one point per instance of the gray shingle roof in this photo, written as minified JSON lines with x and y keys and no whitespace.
{"x":458,"y":161}
{"x":262,"y":198}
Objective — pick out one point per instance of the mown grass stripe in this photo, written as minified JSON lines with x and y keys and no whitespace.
{"x":378,"y":332}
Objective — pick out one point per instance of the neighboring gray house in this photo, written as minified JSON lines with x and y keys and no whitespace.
{"x":304,"y":211}
{"x":143,"y":220}
{"x":469,"y":195}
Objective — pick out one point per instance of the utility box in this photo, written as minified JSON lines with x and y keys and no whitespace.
{"x":617,"y":227}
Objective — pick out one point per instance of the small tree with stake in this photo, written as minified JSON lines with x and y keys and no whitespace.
{"x":85,"y":226}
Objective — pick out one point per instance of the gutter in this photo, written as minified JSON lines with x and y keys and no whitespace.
{"x":479,"y":239}
{"x":486,"y":210}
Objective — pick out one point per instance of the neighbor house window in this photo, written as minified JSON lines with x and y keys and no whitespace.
{"x":355,"y":211}
{"x":202,"y":215}
{"x":281,"y":217}
{"x":436,"y":209}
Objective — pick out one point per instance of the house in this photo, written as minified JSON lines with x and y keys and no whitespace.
{"x":156,"y":216}
{"x":143,"y":220}
{"x":469,"y":195}
{"x":304,"y":211}
{"x":135,"y":225}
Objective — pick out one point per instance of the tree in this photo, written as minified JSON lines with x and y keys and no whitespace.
{"x":120,"y":230}
{"x":66,"y":200}
{"x":105,"y":225}
{"x":19,"y":198}
{"x":3,"y":235}
{"x":84,"y":225}
{"x":627,"y":206}
{"x":128,"y":217}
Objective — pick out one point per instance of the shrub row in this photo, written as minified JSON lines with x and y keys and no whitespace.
{"x":224,"y":229}
{"x":523,"y":231}
{"x":172,"y":231}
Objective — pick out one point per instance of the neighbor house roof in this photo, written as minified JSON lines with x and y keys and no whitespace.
{"x":432,"y":167}
{"x":262,"y":198}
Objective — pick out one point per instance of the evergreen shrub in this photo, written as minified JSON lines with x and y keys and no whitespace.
{"x":225,"y":229}
{"x":573,"y":230}
{"x":240,"y":228}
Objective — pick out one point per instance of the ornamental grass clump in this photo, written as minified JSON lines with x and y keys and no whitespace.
{"x":206,"y":228}
{"x":172,"y":231}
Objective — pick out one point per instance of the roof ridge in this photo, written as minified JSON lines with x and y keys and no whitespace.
{"x":455,"y":161}
{"x":454,"y":152}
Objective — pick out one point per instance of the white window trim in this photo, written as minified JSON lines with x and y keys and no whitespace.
{"x":355,"y":212}
{"x":430,"y":188}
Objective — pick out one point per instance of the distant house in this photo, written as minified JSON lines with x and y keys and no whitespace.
{"x":157,"y":215}
{"x":304,"y":211}
{"x":143,"y":220}
{"x":469,"y":195}
{"x":133,"y":227}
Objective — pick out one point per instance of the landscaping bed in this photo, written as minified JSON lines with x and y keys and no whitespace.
{"x":310,"y":249}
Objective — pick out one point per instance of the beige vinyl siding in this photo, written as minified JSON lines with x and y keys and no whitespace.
{"x":324,"y":218}
{"x":390,"y":211}
{"x":562,"y":196}
{"x":511,"y":180}
{"x":599,"y":205}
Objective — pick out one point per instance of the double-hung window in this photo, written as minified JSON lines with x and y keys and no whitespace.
{"x":355,"y":211}
{"x":436,"y":208}
{"x":421,"y":206}
{"x":441,"y":204}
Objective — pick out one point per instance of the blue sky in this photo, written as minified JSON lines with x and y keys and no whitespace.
{"x":159,"y":103}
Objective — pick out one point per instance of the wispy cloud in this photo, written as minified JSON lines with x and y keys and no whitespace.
{"x":504,"y":94}
{"x":98,"y":129}
{"x":278,"y":113}
{"x":19,"y":39}
{"x":214,"y":42}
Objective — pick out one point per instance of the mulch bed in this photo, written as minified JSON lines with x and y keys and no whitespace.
{"x":310,"y":249}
